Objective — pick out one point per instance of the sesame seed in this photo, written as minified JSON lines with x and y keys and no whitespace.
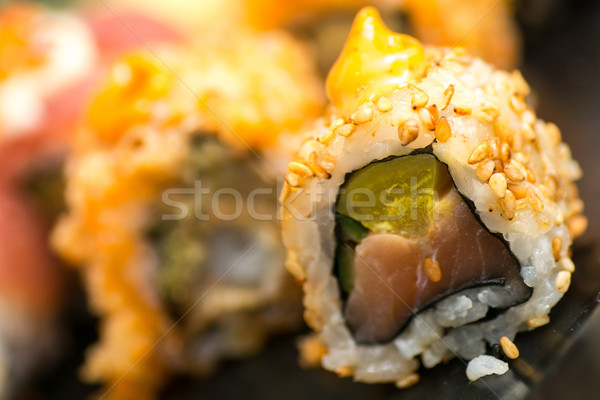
{"x":495,"y":148}
{"x":408,"y":131}
{"x":426,"y":119}
{"x":433,"y":109}
{"x":315,"y":167}
{"x":577,"y":225}
{"x":530,"y":176}
{"x":499,"y":165}
{"x":345,"y":130}
{"x":327,"y":161}
{"x":344,"y":371}
{"x":563,"y":281}
{"x":534,"y":200}
{"x":553,"y":132}
{"x":448,"y":93}
{"x":337,"y":123}
{"x":528,"y":116}
{"x":517,"y":104}
{"x":521,"y":157}
{"x":486,"y":113}
{"x":576,"y":206}
{"x":433,"y":270}
{"x":520,"y":84}
{"x":485,"y":169}
{"x":363,"y":115}
{"x":515,"y":171}
{"x":311,"y":351}
{"x":299,"y":169}
{"x":509,"y":205}
{"x":327,"y":137}
{"x":567,"y":264}
{"x":481,"y":152}
{"x":504,"y":152}
{"x":462,"y":110}
{"x":527,"y":132}
{"x":509,"y":348}
{"x":408,"y":381}
{"x":292,"y":179}
{"x":498,"y":184}
{"x":384,"y":104}
{"x":556,"y":247}
{"x":519,"y":191}
{"x":443,"y":132}
{"x":418,"y":100}
{"x":536,"y":322}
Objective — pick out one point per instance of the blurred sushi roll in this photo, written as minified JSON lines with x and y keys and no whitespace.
{"x":429,"y":215}
{"x":50,"y":61}
{"x":487,"y":29}
{"x":172,"y":200}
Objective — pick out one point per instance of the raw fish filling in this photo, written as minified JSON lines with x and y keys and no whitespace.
{"x":408,"y":239}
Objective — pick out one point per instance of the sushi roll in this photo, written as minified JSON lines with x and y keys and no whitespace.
{"x":486,"y":29}
{"x":429,"y":215}
{"x":180,"y":269}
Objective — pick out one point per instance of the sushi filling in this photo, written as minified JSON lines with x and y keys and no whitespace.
{"x":407,"y":239}
{"x":199,"y":254}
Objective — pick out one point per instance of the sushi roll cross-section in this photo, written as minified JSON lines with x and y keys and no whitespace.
{"x":429,"y":214}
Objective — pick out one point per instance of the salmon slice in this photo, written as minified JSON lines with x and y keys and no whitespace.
{"x":391,"y":283}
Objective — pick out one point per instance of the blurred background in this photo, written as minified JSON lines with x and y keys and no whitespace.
{"x":559,"y":57}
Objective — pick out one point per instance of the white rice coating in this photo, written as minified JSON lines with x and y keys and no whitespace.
{"x":308,"y":219}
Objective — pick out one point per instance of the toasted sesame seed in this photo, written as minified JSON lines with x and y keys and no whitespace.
{"x":577,"y":225}
{"x":528,"y":116}
{"x":292,"y":179}
{"x":519,"y":191}
{"x":448,"y":93}
{"x":363,"y":115}
{"x":509,"y":205}
{"x":418,"y":100}
{"x":495,"y":148}
{"x":443,"y":132}
{"x":311,"y":351}
{"x":556,"y":247}
{"x":576,"y":206}
{"x":485,"y":169}
{"x":337,"y":123}
{"x":345,"y":130}
{"x":426,"y":119}
{"x":534,"y":200}
{"x":299,"y":169}
{"x":530,"y":176}
{"x":433,"y":109}
{"x":536,"y":322}
{"x":433,"y":270}
{"x":384,"y":104}
{"x":499,"y":165}
{"x":486,"y":113}
{"x":315,"y":167}
{"x":408,"y":381}
{"x":498,"y":184}
{"x":515,"y":171}
{"x":509,"y":348}
{"x":527,"y":132}
{"x":520,"y":84}
{"x":327,"y":137}
{"x":553,"y":132}
{"x":480,"y":153}
{"x":517,"y":104}
{"x":462,"y":110}
{"x":408,"y":131}
{"x":504,"y":152}
{"x":567,"y":264}
{"x":521,"y":157}
{"x":344,"y":371}
{"x":563,"y":281}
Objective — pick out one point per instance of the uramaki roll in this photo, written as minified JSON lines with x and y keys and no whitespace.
{"x":178,"y":278}
{"x":430,"y":214}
